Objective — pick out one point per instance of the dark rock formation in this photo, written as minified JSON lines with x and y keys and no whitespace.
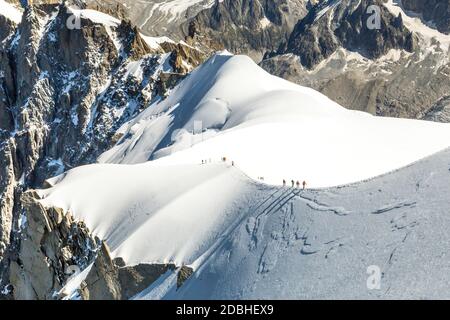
{"x":437,"y":12}
{"x":134,"y":46}
{"x":440,"y":112}
{"x":389,"y":71}
{"x":112,"y":280}
{"x":250,"y":27}
{"x":184,"y":274}
{"x":52,"y":243}
{"x":344,"y":24}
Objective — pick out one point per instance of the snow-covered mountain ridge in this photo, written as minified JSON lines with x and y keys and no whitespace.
{"x":261,"y":123}
{"x":240,"y":236}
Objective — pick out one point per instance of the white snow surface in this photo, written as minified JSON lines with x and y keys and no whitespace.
{"x":271,"y":128}
{"x":95,"y":16}
{"x":174,"y":9}
{"x":147,"y":212}
{"x":155,"y":42}
{"x":270,"y":242}
{"x":11,"y":12}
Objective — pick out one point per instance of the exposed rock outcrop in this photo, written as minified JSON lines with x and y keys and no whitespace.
{"x":7,"y":186}
{"x":110,"y":280}
{"x":134,"y":46}
{"x":436,"y":12}
{"x":183,"y":275}
{"x":250,"y":27}
{"x":52,"y":244}
{"x":334,"y":24}
{"x":440,"y":112}
{"x":8,"y":27}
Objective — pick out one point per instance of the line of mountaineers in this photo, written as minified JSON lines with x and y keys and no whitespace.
{"x":294,"y":184}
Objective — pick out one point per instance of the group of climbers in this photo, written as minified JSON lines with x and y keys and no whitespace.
{"x":295,"y":184}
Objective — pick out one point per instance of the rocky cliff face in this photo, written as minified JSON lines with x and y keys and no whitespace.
{"x":108,"y":279}
{"x":436,"y":12}
{"x":334,"y":24}
{"x":65,"y":89}
{"x":53,"y":246}
{"x":250,"y":27}
{"x":242,"y":26}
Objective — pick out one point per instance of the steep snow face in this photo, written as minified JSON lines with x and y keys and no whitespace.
{"x":10,"y":12}
{"x":271,"y":129}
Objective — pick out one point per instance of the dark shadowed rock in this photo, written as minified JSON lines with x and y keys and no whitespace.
{"x":112,"y":280}
{"x":344,"y":24}
{"x":52,"y":243}
{"x":249,"y":27}
{"x":184,"y":273}
{"x":436,"y":12}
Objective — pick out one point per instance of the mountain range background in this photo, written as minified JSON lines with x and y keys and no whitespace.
{"x":65,"y":93}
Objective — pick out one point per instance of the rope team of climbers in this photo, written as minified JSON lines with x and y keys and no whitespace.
{"x":295,"y":184}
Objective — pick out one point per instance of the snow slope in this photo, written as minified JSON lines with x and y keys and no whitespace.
{"x":271,"y":128}
{"x":321,"y":244}
{"x":150,"y":212}
{"x":10,"y":12}
{"x":155,"y":42}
